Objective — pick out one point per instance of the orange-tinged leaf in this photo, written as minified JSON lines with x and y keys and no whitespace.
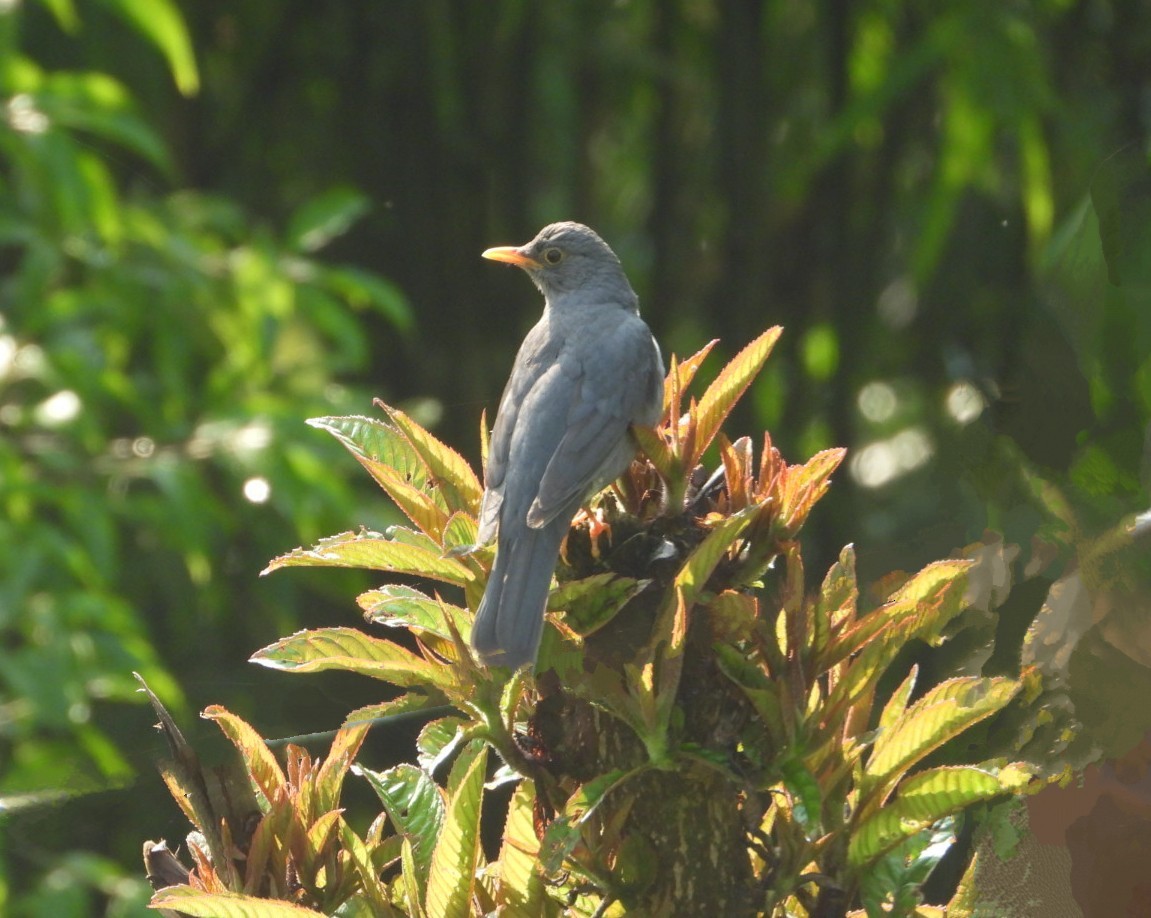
{"x":373,"y":889}
{"x":373,"y":551}
{"x":259,"y":760}
{"x":685,"y":370}
{"x":656,"y":448}
{"x":737,"y":460}
{"x":353,"y":651}
{"x":728,"y":387}
{"x":804,"y":485}
{"x":331,"y":773}
{"x":461,"y":488}
{"x":188,"y":901}
{"x":418,"y":505}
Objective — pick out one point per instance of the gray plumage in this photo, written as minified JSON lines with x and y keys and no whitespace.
{"x":584,"y":374}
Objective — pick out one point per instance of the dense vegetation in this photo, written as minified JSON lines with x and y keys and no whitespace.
{"x":217,"y":222}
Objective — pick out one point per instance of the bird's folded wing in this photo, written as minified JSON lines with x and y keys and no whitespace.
{"x":596,"y":446}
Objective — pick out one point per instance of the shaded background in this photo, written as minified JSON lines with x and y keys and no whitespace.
{"x":217,"y":220}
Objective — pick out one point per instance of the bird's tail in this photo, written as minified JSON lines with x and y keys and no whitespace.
{"x":510,"y":619}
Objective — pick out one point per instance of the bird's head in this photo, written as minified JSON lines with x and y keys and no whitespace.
{"x":567,"y":257}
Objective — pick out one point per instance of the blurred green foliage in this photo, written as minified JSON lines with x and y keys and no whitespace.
{"x":155,"y":348}
{"x":946,"y":204}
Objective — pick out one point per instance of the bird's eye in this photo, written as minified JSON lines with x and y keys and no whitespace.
{"x":553,"y":256}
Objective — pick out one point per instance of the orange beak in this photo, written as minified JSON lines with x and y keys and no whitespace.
{"x":512,"y":255}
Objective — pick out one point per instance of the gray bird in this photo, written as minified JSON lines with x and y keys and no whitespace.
{"x":585,"y":373}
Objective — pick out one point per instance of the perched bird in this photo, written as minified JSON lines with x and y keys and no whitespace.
{"x":585,"y":373}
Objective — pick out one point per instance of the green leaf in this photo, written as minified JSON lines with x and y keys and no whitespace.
{"x":923,"y":800}
{"x":189,"y":901}
{"x":521,"y":888}
{"x":453,"y":868}
{"x":728,"y":387}
{"x":591,"y":602}
{"x":364,"y":290}
{"x":944,"y":712}
{"x":353,"y":651}
{"x":897,"y":703}
{"x":462,"y":490}
{"x":396,"y":605}
{"x":259,"y":760}
{"x":345,"y":747}
{"x":563,"y":834}
{"x":438,"y":740}
{"x":160,"y":22}
{"x":373,"y":889}
{"x":99,"y":104}
{"x":414,"y":805}
{"x":398,"y":708}
{"x":681,"y":375}
{"x":318,"y":221}
{"x":373,"y":551}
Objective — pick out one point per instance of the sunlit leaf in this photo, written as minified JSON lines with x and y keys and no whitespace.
{"x":729,"y":386}
{"x":414,"y":805}
{"x":343,"y":751}
{"x":805,"y":485}
{"x":189,"y":901}
{"x":922,"y":800}
{"x":453,"y":866}
{"x":353,"y":651}
{"x":521,"y":887}
{"x":448,"y":470}
{"x":897,"y":703}
{"x":373,"y":890}
{"x":261,"y":764}
{"x":944,"y":712}
{"x":563,"y":834}
{"x":373,"y":551}
{"x":438,"y":740}
{"x":398,"y":605}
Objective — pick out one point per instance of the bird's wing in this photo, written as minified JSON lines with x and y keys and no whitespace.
{"x":612,"y":387}
{"x":535,"y":354}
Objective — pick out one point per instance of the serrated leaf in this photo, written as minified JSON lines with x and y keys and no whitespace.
{"x":406,"y":704}
{"x":760,"y":690}
{"x":521,"y":889}
{"x":919,"y":609}
{"x":396,"y":605}
{"x":591,"y":602}
{"x":923,"y":800}
{"x":373,"y":889}
{"x":804,"y":485}
{"x":414,"y":805}
{"x":897,"y":703}
{"x":321,"y":219}
{"x":194,"y":902}
{"x":373,"y":551}
{"x":330,"y":776}
{"x":659,"y":453}
{"x":447,"y":468}
{"x":453,"y":868}
{"x":726,"y":390}
{"x":681,"y":374}
{"x":563,"y":834}
{"x":944,"y":712}
{"x":438,"y":740}
{"x":733,"y":615}
{"x":353,"y":651}
{"x":259,"y":760}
